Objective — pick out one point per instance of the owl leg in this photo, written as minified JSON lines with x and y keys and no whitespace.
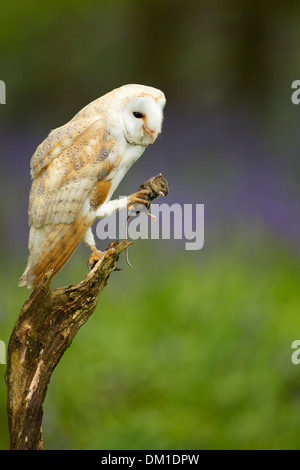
{"x":96,"y":254}
{"x":107,"y":208}
{"x":88,"y":238}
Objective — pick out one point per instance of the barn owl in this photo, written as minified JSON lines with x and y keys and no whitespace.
{"x":78,"y":167}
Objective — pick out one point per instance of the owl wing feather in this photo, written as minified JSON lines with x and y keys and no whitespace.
{"x":70,"y":169}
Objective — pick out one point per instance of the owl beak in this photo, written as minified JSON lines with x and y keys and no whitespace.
{"x":152,"y":134}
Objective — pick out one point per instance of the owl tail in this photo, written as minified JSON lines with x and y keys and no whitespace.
{"x":23,"y":279}
{"x":50,"y":248}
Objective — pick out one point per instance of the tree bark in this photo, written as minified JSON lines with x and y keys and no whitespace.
{"x":46,"y":326}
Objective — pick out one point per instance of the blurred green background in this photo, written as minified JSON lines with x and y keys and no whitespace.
{"x":187,"y":349}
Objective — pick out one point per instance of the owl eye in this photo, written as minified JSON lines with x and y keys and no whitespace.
{"x":138,"y":115}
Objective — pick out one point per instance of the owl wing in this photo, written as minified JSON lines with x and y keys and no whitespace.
{"x":71,"y":171}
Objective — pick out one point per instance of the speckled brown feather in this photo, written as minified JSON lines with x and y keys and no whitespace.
{"x":59,"y":244}
{"x":59,"y":189}
{"x":75,"y":168}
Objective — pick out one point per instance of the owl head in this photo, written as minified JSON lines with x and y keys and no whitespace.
{"x":142,"y":114}
{"x":133,"y":112}
{"x":138,"y":109}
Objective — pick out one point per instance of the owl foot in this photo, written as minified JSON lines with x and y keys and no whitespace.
{"x":140,"y":197}
{"x":96,"y":256}
{"x":112,"y":251}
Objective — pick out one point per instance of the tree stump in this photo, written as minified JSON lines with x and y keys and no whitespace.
{"x":46,"y":326}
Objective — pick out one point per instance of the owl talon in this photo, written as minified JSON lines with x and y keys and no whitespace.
{"x":112,"y":251}
{"x":94,"y":258}
{"x":140,"y":197}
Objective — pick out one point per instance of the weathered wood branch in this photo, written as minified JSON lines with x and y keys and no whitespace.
{"x":46,"y":326}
